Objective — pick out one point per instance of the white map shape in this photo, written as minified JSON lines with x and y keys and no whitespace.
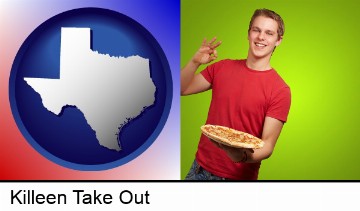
{"x":108,"y":90}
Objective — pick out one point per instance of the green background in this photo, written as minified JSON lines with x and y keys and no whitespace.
{"x":319,"y":60}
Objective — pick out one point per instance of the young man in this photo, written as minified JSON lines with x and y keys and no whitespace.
{"x":247,"y":95}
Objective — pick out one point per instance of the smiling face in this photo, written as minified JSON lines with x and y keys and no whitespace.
{"x":263,"y":38}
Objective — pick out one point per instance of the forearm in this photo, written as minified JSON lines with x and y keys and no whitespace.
{"x":187,"y":74}
{"x":270,"y":134}
{"x":190,"y":82}
{"x":249,"y":155}
{"x":259,"y":154}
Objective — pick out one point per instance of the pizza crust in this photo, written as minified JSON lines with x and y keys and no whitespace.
{"x":231,"y":137}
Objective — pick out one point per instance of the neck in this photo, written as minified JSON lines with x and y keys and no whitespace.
{"x":259,"y":64}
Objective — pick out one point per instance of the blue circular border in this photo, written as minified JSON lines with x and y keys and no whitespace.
{"x":131,"y":156}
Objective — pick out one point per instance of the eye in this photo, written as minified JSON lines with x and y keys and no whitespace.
{"x":270,"y":33}
{"x":256,"y":30}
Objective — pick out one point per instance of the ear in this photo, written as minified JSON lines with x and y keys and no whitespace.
{"x":279,"y":41}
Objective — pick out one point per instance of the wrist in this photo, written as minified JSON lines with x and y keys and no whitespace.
{"x":195,"y":63}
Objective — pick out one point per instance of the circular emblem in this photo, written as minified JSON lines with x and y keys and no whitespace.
{"x":90,"y":89}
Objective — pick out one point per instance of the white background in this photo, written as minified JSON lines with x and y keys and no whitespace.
{"x":292,"y":196}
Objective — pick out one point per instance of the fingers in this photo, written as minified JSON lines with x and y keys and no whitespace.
{"x":204,"y":43}
{"x":207,"y":52}
{"x":216,"y":45}
{"x":251,"y":150}
{"x":234,"y":149}
{"x":208,"y":55}
{"x":212,"y":43}
{"x":210,"y":51}
{"x":216,"y":143}
{"x":214,"y":55}
{"x":205,"y":49}
{"x":212,"y":58}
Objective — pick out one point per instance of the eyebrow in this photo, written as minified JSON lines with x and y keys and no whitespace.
{"x":268,"y":30}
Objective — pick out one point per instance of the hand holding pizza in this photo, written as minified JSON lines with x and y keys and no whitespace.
{"x":235,"y":154}
{"x":236,"y":144}
{"x":207,"y":52}
{"x":231,"y":137}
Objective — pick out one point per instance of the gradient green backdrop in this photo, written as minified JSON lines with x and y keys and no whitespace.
{"x":318,"y":58}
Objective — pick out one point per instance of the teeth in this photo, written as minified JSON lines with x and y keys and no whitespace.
{"x":260,"y":45}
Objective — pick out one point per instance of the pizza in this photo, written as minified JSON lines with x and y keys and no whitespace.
{"x":231,"y":137}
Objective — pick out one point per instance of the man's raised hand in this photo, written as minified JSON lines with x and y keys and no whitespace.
{"x":207,"y":52}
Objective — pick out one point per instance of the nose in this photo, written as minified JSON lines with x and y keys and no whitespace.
{"x":261,"y":36}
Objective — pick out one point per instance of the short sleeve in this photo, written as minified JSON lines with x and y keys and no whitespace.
{"x":209,"y":72}
{"x":280,"y":104}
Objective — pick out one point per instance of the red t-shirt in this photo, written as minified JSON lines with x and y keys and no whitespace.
{"x":241,"y":99}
